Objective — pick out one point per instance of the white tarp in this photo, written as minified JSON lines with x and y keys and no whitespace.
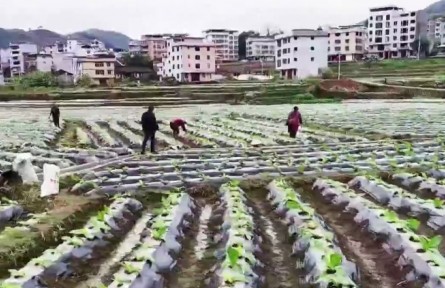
{"x":50,"y":185}
{"x":22,"y":164}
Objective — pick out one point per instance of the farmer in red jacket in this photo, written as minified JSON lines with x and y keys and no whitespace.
{"x":176,"y":124}
{"x":294,"y":121}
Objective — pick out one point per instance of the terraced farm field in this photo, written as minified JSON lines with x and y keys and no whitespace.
{"x":356,"y":201}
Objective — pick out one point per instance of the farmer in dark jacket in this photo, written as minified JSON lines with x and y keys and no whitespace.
{"x":294,"y":121}
{"x":176,"y":124}
{"x":149,"y":126}
{"x":55,"y":114}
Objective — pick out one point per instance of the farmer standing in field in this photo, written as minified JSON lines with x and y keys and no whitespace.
{"x":294,"y":121}
{"x":55,"y":114}
{"x":149,"y":126}
{"x":176,"y":124}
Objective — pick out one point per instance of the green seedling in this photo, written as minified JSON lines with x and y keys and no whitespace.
{"x":130,"y":268}
{"x":233,"y":254}
{"x":413,"y":224}
{"x":333,"y":261}
{"x":429,"y":244}
{"x":438,"y":203}
{"x":158,"y":234}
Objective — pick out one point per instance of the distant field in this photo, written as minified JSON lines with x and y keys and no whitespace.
{"x":394,"y":68}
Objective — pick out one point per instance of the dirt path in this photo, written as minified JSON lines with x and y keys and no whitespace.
{"x":197,"y":257}
{"x":281,"y":269}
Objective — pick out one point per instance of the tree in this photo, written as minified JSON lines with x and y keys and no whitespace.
{"x":137,"y":60}
{"x":242,"y":42}
{"x":425,"y":46}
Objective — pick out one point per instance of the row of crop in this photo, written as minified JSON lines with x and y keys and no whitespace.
{"x":324,"y":261}
{"x":134,"y":140}
{"x":215,"y":137}
{"x":104,"y":137}
{"x":397,"y":198}
{"x":238,"y":267}
{"x":422,"y":183}
{"x":417,"y":253}
{"x":80,"y":246}
{"x":159,"y":245}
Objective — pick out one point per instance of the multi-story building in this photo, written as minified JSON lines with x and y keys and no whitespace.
{"x":134,"y":46}
{"x":436,"y":30}
{"x":100,"y":68}
{"x":14,"y":57}
{"x":302,"y":53}
{"x":189,"y":59}
{"x":391,"y":31}
{"x":226,"y":42}
{"x":346,"y":43}
{"x":155,"y":45}
{"x":260,"y":48}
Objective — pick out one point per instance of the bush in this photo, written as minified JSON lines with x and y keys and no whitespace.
{"x":36,"y":79}
{"x":327,"y":73}
{"x":85,"y":81}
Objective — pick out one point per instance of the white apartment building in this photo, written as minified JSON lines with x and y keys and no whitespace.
{"x":346,"y":43}
{"x":301,"y":53}
{"x":134,"y":46}
{"x":436,"y":30}
{"x":391,"y":30}
{"x":226,"y":42}
{"x":14,"y":57}
{"x":189,"y":59}
{"x":260,"y":48}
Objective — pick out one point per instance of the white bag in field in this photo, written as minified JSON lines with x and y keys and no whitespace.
{"x":50,"y":185}
{"x":22,"y":164}
{"x":300,"y":131}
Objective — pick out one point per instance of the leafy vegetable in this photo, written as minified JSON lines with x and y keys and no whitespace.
{"x":413,"y":224}
{"x":334,"y":260}
{"x":429,"y":244}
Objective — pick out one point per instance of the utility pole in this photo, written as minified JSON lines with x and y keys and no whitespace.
{"x":339,"y":67}
{"x":418,"y":49}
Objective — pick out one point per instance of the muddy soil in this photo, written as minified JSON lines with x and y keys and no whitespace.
{"x":276,"y":246}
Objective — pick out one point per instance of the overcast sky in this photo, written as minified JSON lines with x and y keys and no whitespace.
{"x":136,"y":17}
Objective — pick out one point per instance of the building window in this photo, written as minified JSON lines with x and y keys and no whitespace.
{"x":336,"y":42}
{"x":295,"y":37}
{"x":312,"y":48}
{"x":278,"y":63}
{"x":197,"y":57}
{"x":295,"y":59}
{"x":387,"y":32}
{"x":108,"y":64}
{"x":312,"y":38}
{"x":395,"y":31}
{"x":208,"y":57}
{"x":174,"y":66}
{"x":99,"y":64}
{"x":347,"y":33}
{"x":100,"y":72}
{"x":198,"y":66}
{"x":177,"y":76}
{"x":208,"y":48}
{"x":110,"y":72}
{"x":378,"y":25}
{"x":388,"y":17}
{"x":188,"y":56}
{"x":347,"y":48}
{"x":197,"y":48}
{"x":337,"y":49}
{"x":347,"y":41}
{"x":312,"y":59}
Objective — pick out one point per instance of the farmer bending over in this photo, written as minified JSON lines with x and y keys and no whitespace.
{"x":176,"y":124}
{"x":55,"y":114}
{"x":294,"y":121}
{"x":149,"y":126}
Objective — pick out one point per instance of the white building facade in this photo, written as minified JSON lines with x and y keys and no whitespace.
{"x":436,"y":30}
{"x":14,"y":57}
{"x":189,"y":59}
{"x":226,"y":42}
{"x":302,"y":53}
{"x":347,"y":43}
{"x":391,"y":31}
{"x":260,"y":48}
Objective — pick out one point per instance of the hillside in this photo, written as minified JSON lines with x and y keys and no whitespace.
{"x":43,"y":37}
{"x":437,"y":8}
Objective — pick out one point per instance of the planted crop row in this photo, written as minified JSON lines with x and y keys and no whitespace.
{"x":80,"y":246}
{"x":159,"y":246}
{"x":238,"y":264}
{"x":398,"y":198}
{"x":103,"y":136}
{"x":418,"y":253}
{"x":323,"y":260}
